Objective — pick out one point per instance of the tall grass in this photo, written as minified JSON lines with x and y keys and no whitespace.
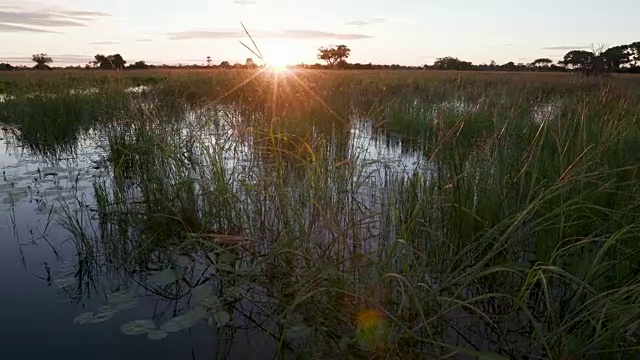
{"x":514,"y":235}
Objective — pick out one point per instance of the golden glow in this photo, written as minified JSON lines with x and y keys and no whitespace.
{"x":277,"y":68}
{"x":280,"y":54}
{"x":278,"y":64}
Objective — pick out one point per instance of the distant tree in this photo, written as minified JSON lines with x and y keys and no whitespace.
{"x":577,"y":59}
{"x":451,"y":63}
{"x":510,"y":66}
{"x":542,"y":62}
{"x":111,"y":62}
{"x":209,"y":61}
{"x":225,"y":65}
{"x":138,"y":65}
{"x":635,"y":52}
{"x":588,"y":62}
{"x":250,"y":64}
{"x":42,"y":61}
{"x":334,"y":54}
{"x":5,"y":67}
{"x":617,"y":56}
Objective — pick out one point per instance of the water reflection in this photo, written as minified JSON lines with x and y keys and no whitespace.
{"x":93,"y":219}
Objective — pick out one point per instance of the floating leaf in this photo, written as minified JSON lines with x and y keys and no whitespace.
{"x":185,"y":321}
{"x":174,"y":325}
{"x":157,"y":335}
{"x":103,"y":315}
{"x":164,"y":277}
{"x":222,"y":318}
{"x":138,"y":327}
{"x":123,"y":300}
{"x":204,"y":296}
{"x":65,"y":282}
{"x":83,"y":318}
{"x":298,"y":331}
{"x":202,"y":291}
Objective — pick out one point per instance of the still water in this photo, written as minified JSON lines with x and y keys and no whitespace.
{"x":55,"y":302}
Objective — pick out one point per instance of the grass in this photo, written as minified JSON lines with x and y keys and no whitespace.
{"x":513,"y":236}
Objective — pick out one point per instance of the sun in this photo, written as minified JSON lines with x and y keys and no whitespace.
{"x":278,"y":63}
{"x":279,"y":55}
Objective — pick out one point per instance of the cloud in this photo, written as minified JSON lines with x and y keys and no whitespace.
{"x":105,"y":43}
{"x":294,"y":34}
{"x":144,"y":40}
{"x":244,"y":2}
{"x":577,"y":47}
{"x":23,"y":20}
{"x":376,"y":20}
{"x":8,"y":28}
{"x":57,"y":58}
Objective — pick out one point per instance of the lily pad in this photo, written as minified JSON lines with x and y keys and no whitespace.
{"x":222,"y":318}
{"x":204,"y":296}
{"x":123,"y":300}
{"x":157,"y":335}
{"x":174,"y":325}
{"x":83,"y":318}
{"x":164,"y":277}
{"x":103,"y":315}
{"x":138,"y":327}
{"x":65,"y":282}
{"x":185,"y":321}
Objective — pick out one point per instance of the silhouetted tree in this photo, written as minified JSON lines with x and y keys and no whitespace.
{"x":111,"y":62}
{"x":635,"y":52}
{"x":209,"y":61}
{"x":334,"y":54}
{"x":225,"y":65}
{"x":5,"y":67}
{"x":250,"y":64}
{"x":42,"y":61}
{"x":617,"y":56}
{"x":451,"y":63}
{"x":578,"y":59}
{"x":138,"y":65}
{"x":542,"y":62}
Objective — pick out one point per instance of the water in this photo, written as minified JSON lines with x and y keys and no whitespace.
{"x":49,"y":287}
{"x":44,"y":287}
{"x":63,"y":301}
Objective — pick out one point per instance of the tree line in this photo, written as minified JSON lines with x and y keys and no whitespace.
{"x":598,"y":61}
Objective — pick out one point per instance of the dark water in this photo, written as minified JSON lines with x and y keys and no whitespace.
{"x":44,"y":287}
{"x":47,"y":284}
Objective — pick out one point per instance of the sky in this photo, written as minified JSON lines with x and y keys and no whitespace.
{"x":408,"y":32}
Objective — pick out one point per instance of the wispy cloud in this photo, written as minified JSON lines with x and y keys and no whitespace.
{"x":282,"y":34}
{"x":57,"y":58}
{"x":363,"y":22}
{"x":144,"y":40}
{"x":244,"y":2}
{"x":9,"y":28}
{"x":105,"y":43}
{"x":23,"y":20}
{"x":576,"y":47}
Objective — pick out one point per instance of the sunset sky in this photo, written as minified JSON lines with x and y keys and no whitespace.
{"x":410,"y":32}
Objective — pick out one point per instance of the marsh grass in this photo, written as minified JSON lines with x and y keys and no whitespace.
{"x":512,"y":236}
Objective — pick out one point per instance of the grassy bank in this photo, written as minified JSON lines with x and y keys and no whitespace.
{"x":509,"y":229}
